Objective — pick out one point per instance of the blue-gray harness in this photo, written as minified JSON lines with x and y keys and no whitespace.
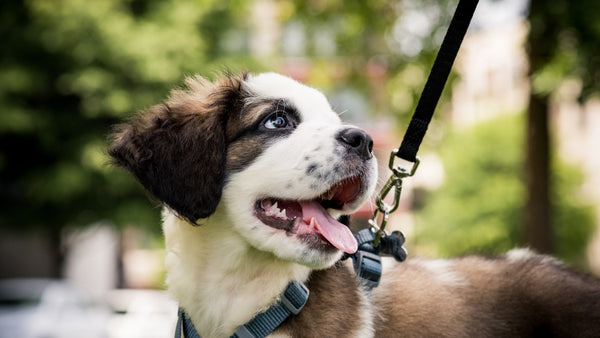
{"x":292,"y":300}
{"x":367,"y":266}
{"x":373,"y":241}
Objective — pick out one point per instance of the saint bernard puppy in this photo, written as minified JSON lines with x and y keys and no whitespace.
{"x":253,"y":172}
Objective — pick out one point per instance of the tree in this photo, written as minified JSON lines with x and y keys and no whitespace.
{"x":479,"y":208}
{"x":562,"y":43}
{"x":69,"y":71}
{"x":75,"y":68}
{"x":369,"y":49}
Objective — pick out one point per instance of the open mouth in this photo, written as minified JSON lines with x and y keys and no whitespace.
{"x":311,"y":217}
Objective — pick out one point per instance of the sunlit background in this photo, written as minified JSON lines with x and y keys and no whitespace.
{"x":511,"y":159}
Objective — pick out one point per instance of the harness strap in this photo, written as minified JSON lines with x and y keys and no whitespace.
{"x":436,"y":80}
{"x":185,"y":328}
{"x":292,"y":300}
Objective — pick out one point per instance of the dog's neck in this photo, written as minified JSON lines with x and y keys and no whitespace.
{"x":219,"y":280}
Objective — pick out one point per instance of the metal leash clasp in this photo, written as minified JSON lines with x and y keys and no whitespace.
{"x":395,"y":181}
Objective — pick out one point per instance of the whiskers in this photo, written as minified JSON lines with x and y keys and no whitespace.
{"x":342,"y":112}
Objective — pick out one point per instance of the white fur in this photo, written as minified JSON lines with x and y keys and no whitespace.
{"x":525,"y":254}
{"x":366,"y":312}
{"x":218,"y":278}
{"x":444,"y":272}
{"x":310,"y":102}
{"x":232,"y":266}
{"x":520,"y":254}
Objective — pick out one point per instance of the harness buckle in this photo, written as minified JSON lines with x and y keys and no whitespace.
{"x":395,"y":183}
{"x":392,"y":245}
{"x":243,"y":332}
{"x":367,"y":266}
{"x":399,"y":170}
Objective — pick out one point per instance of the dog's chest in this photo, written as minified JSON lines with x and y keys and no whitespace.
{"x":336,"y":307}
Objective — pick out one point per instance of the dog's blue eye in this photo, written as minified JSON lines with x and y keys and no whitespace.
{"x":277,"y":121}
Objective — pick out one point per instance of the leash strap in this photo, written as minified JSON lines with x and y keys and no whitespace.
{"x":422,"y":116}
{"x":414,"y":135}
{"x":436,"y":80}
{"x":291,"y":302}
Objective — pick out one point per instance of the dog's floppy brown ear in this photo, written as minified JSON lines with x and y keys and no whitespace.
{"x":177,"y":150}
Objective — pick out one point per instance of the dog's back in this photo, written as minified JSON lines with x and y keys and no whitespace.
{"x":519,"y":294}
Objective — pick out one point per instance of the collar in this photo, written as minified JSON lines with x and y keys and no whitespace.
{"x":291,"y":301}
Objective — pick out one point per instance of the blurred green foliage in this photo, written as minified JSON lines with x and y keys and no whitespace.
{"x":564,"y":44}
{"x":375,"y":50}
{"x":479,"y":208}
{"x":71,"y":69}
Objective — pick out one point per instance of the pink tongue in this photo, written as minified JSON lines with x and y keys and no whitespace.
{"x":335,"y":232}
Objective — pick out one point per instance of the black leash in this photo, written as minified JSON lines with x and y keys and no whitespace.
{"x":436,"y":80}
{"x":375,"y":241}
{"x":422,"y":116}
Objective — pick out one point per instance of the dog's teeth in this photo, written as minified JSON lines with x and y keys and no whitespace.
{"x":280,"y":214}
{"x":274,"y":209}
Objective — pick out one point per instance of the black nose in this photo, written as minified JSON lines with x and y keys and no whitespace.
{"x":358,"y":141}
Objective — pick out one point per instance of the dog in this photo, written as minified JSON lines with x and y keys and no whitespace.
{"x":254,"y":172}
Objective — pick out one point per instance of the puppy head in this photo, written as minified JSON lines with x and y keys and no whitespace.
{"x":267,"y":150}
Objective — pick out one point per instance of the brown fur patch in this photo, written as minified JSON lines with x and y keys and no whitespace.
{"x":181,"y":151}
{"x":177,"y":149}
{"x":246,"y":141}
{"x":331,"y":309}
{"x":530,"y":297}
